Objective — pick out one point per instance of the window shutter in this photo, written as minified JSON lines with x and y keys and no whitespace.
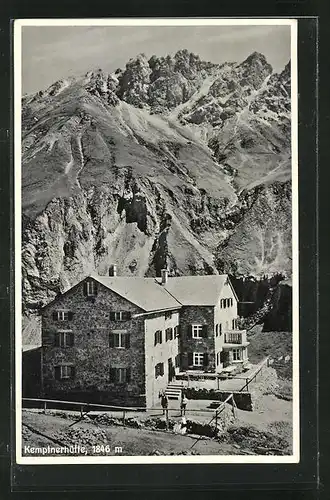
{"x":57,"y":372}
{"x":162,"y":369}
{"x":113,"y":373}
{"x":155,"y":338}
{"x":205,"y":359}
{"x":85,"y":288}
{"x":160,"y":336}
{"x":204,"y":331}
{"x":128,"y":374}
{"x":189,"y":331}
{"x":55,"y":316}
{"x":127,"y":341}
{"x":71,"y":339}
{"x":70,"y":315}
{"x":112,"y":315}
{"x":177,"y":331}
{"x":127,"y":315}
{"x":73,"y":371}
{"x":111,"y":340}
{"x":190,"y":359}
{"x":57,"y":340}
{"x":95,"y":288}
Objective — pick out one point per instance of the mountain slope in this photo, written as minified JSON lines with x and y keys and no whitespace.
{"x":169,"y":161}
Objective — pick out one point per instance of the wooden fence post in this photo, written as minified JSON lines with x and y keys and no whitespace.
{"x":234,"y":406}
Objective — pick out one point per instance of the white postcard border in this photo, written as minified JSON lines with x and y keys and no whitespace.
{"x":234,"y":459}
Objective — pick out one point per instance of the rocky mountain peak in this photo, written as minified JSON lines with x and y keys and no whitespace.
{"x":257,"y":60}
{"x":170,"y":159}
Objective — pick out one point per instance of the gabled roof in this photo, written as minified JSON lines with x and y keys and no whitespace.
{"x":197,"y":290}
{"x":150,"y":295}
{"x":146,"y":293}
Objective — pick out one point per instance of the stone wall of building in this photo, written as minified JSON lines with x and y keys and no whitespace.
{"x":160,"y":353}
{"x":202,"y":315}
{"x":91,"y":354}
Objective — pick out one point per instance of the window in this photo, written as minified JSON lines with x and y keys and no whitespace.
{"x":64,"y":372}
{"x":91,"y":288}
{"x":120,"y":315}
{"x":234,"y":324}
{"x":237,"y":354}
{"x":168,"y":314}
{"x":177,"y":361}
{"x":220,"y":329}
{"x":169,"y":334}
{"x":176,"y":331}
{"x":120,"y":375}
{"x":62,"y":315}
{"x":216,"y":330}
{"x":226,"y":303}
{"x":64,"y":339}
{"x":218,"y":358}
{"x":198,"y":359}
{"x":197,"y":331}
{"x":158,"y":337}
{"x":159,"y":370}
{"x":119,"y":340}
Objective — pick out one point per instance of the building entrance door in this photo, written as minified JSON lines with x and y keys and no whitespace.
{"x":171,"y":370}
{"x":224,"y":358}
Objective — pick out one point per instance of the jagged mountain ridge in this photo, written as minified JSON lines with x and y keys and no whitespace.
{"x":157,"y":163}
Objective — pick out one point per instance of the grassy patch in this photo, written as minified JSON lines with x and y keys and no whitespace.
{"x":275,"y":345}
{"x":284,"y":389}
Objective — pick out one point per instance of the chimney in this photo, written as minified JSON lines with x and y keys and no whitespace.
{"x":164,"y":274}
{"x":113,"y":270}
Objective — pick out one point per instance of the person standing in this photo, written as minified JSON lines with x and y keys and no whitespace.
{"x":183,"y":405}
{"x":164,"y":402}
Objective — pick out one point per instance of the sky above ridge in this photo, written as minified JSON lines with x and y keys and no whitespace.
{"x":50,"y":53}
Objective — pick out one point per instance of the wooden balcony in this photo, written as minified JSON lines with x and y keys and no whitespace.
{"x":235,"y":337}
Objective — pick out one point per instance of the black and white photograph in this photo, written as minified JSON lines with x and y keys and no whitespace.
{"x":156,"y":241}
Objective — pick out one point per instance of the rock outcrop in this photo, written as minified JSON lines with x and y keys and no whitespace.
{"x":172,"y":160}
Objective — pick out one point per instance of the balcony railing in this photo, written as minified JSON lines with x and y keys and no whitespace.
{"x":235,"y":337}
